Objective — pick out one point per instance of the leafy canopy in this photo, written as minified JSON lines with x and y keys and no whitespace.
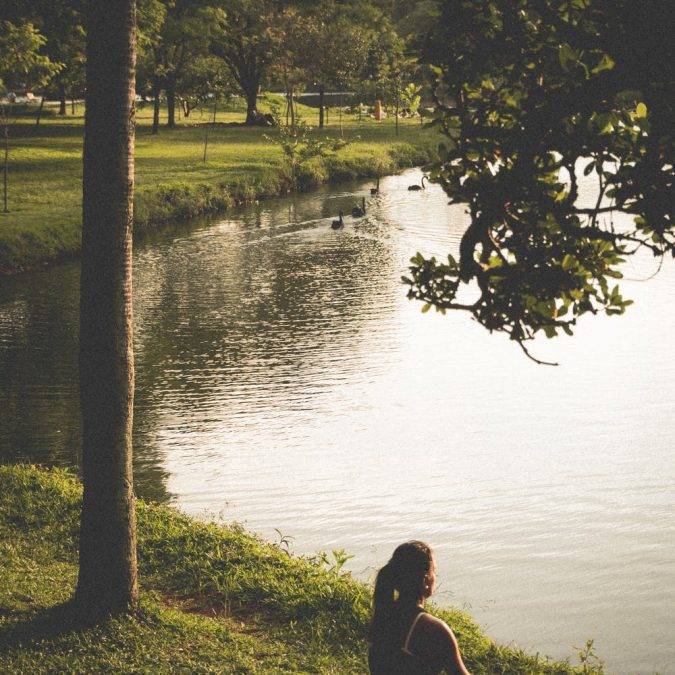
{"x":531,"y":93}
{"x":21,"y":62}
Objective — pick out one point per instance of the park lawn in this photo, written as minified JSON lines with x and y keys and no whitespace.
{"x":172,"y":180}
{"x":214,"y":598}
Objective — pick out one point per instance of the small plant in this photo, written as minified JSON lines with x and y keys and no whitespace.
{"x":334,"y":564}
{"x":298,"y":143}
{"x":284,"y":541}
{"x":410,"y":98}
{"x":590,"y":661}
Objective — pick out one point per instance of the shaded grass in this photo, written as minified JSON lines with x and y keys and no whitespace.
{"x":215,"y":598}
{"x":172,"y":181}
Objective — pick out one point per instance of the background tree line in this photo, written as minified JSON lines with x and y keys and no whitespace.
{"x":189,"y":51}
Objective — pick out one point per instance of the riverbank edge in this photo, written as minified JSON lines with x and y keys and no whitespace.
{"x":165,"y":204}
{"x":215,"y":597}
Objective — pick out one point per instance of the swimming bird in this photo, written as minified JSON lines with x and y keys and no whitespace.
{"x":376,"y":189}
{"x":360,"y":211}
{"x":418,"y":187}
{"x":337,"y":224}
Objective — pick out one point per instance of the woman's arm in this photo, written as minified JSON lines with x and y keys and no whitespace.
{"x":455,"y":665}
{"x":446,"y":648}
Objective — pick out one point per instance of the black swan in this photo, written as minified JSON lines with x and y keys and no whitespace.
{"x":418,"y":187}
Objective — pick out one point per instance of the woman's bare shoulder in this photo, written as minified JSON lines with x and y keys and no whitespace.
{"x":437,"y":628}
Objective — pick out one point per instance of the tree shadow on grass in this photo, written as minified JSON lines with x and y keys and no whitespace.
{"x":20,"y":628}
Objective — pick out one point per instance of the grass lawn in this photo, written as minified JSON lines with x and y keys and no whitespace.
{"x":215,"y":599}
{"x":172,"y":180}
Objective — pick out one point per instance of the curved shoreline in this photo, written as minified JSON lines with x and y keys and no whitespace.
{"x":167,"y":203}
{"x":214,"y":594}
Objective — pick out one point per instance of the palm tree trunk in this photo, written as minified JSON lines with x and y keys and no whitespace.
{"x":107,"y":576}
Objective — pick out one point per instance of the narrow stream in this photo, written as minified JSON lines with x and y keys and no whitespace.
{"x":284,"y":381}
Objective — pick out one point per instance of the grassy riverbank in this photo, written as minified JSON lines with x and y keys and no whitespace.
{"x":215,"y":598}
{"x":173,"y":182}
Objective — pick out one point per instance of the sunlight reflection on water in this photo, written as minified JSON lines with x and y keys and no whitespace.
{"x":285,"y":382}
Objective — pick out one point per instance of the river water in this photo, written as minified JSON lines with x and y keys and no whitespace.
{"x":284,"y":381}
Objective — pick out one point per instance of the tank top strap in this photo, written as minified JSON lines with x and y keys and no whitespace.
{"x":408,"y":637}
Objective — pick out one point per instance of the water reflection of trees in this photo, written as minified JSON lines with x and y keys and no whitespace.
{"x":39,"y":396}
{"x":255,"y":305}
{"x":228,"y":316}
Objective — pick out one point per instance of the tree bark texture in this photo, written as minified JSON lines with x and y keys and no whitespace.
{"x":107,"y":581}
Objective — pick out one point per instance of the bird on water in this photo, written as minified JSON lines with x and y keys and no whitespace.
{"x":418,"y":187}
{"x":360,"y":211}
{"x":337,"y":224}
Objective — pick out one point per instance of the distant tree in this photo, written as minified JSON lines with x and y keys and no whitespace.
{"x":341,"y":38}
{"x":175,"y":35}
{"x":22,"y":66}
{"x":61,"y":23}
{"x":249,"y":44}
{"x":293,"y":35}
{"x":107,"y":582}
{"x":387,"y":64}
{"x":530,"y":94}
{"x":151,"y":15}
{"x":204,"y":77}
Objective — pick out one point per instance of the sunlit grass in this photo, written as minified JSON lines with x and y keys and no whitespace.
{"x":46,"y":171}
{"x":214,"y":599}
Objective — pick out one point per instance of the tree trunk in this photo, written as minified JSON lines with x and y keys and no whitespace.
{"x":206,"y":135}
{"x":171,"y":105}
{"x":322,"y":94}
{"x":107,"y":582}
{"x":38,"y":117}
{"x":62,"y":100}
{"x":72,"y":103}
{"x":5,"y":164}
{"x":251,"y":92}
{"x":156,"y":92}
{"x":340,"y":111}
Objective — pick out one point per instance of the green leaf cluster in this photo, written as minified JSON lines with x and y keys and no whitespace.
{"x":548,"y":96}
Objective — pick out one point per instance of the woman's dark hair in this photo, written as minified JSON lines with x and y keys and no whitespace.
{"x":399,"y":585}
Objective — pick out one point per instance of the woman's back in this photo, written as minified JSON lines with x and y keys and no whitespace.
{"x":405,"y":639}
{"x":418,"y":644}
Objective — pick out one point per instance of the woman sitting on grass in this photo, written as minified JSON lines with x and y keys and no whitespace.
{"x":405,"y":639}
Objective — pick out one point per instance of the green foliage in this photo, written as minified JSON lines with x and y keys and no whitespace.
{"x":549,"y":87}
{"x":172,"y":182}
{"x":22,"y":65}
{"x":215,"y":598}
{"x":299,"y":143}
{"x":410,"y":97}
